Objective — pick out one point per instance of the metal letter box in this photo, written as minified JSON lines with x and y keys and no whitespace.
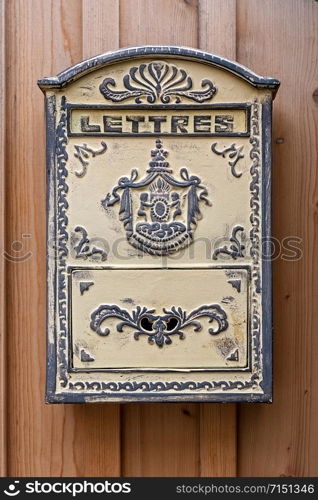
{"x":158,"y":224}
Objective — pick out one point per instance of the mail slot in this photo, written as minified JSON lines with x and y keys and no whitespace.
{"x":159,"y":226}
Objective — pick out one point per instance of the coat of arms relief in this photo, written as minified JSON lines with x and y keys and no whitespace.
{"x":159,"y":211}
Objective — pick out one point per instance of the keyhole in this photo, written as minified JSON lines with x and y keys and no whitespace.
{"x":171,"y":324}
{"x":146,"y":324}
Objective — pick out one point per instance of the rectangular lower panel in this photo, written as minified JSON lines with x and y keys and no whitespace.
{"x":165,"y":319}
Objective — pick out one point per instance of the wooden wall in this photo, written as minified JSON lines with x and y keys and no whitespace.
{"x":278,"y":38}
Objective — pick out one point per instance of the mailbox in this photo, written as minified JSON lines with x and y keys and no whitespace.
{"x":158,"y":224}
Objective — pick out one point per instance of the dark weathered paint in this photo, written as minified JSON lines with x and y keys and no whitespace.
{"x":97,"y":62}
{"x":75,"y":72}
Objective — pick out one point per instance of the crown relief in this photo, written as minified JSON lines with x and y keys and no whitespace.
{"x":157,"y":82}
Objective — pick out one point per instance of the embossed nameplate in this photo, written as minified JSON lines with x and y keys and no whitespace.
{"x":159,"y":273}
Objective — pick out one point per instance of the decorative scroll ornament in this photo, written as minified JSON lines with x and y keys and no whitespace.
{"x":84,"y":248}
{"x":83,"y":152}
{"x":235,"y":155}
{"x":159,"y":328}
{"x":168,"y":208}
{"x":157,"y":81}
{"x":236,"y":249}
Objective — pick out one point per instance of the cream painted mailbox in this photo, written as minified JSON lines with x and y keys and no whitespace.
{"x":158,"y":199}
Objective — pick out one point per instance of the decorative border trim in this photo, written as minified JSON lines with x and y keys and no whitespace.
{"x":161,"y":386}
{"x":99,"y":388}
{"x":62,"y":240}
{"x":255,"y":239}
{"x":78,"y":70}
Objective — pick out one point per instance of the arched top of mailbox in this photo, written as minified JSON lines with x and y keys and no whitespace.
{"x":78,"y":70}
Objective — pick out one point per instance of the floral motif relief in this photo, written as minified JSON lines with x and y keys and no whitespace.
{"x":157,"y":81}
{"x":159,"y":328}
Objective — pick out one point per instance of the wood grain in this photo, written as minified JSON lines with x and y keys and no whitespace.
{"x":100,"y":26}
{"x":3,"y":350}
{"x":217,"y":440}
{"x":33,"y":429}
{"x":160,"y":440}
{"x":44,"y":440}
{"x":217,"y":34}
{"x":159,"y":22}
{"x":217,"y":27}
{"x":280,"y":38}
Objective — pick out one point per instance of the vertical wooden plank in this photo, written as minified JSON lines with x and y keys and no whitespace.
{"x":34,"y":447}
{"x":3,"y":351}
{"x":97,"y":445}
{"x":159,"y":22}
{"x":281,"y":40}
{"x":159,"y":439}
{"x":100,"y":26}
{"x":217,"y":440}
{"x":42,"y":39}
{"x":217,"y":27}
{"x":217,"y":34}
